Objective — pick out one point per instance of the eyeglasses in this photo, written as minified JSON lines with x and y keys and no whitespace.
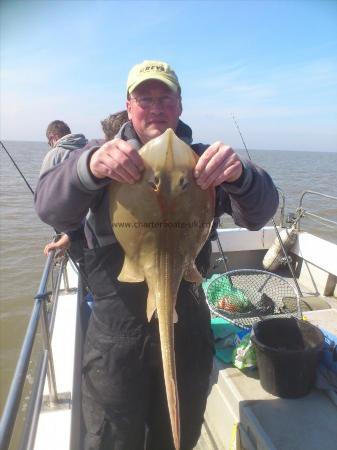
{"x":165,"y":101}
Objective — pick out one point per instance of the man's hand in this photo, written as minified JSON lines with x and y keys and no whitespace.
{"x":117,"y":160}
{"x":218,"y":164}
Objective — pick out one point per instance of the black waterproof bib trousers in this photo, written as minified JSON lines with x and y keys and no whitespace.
{"x":123,"y":393}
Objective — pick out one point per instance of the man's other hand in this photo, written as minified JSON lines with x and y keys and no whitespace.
{"x":218,"y":164}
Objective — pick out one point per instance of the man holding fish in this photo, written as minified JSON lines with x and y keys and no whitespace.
{"x":151,"y":197}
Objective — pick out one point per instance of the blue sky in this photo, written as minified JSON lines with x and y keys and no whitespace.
{"x":271,"y":63}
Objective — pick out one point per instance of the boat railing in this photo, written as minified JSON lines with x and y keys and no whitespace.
{"x":282,"y":206}
{"x":46,"y":365}
{"x":302,"y":212}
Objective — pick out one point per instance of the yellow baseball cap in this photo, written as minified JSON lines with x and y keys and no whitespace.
{"x":152,"y":70}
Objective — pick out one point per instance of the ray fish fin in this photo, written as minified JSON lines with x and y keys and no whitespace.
{"x":192,"y":274}
{"x":175,"y":316}
{"x":151,"y":306}
{"x":131,"y":272}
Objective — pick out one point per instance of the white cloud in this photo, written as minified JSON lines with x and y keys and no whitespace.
{"x":241,"y":84}
{"x":316,"y":73}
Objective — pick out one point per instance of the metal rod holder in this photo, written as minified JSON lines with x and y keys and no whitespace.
{"x":47,"y":345}
{"x":66,"y":279}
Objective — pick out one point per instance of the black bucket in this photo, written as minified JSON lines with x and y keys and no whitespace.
{"x":287,"y":355}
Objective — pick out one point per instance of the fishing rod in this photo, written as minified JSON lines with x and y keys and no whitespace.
{"x":243,"y":141}
{"x":80,"y":271}
{"x":273,"y":221}
{"x":17,"y":167}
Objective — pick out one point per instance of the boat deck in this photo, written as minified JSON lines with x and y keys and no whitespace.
{"x":240,"y":414}
{"x":259,"y":420}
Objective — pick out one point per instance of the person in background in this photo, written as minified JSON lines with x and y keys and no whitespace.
{"x":110,"y":127}
{"x":112,"y":124}
{"x":123,"y":393}
{"x":62,"y":143}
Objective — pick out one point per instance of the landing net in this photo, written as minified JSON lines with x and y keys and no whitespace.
{"x":246,"y":296}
